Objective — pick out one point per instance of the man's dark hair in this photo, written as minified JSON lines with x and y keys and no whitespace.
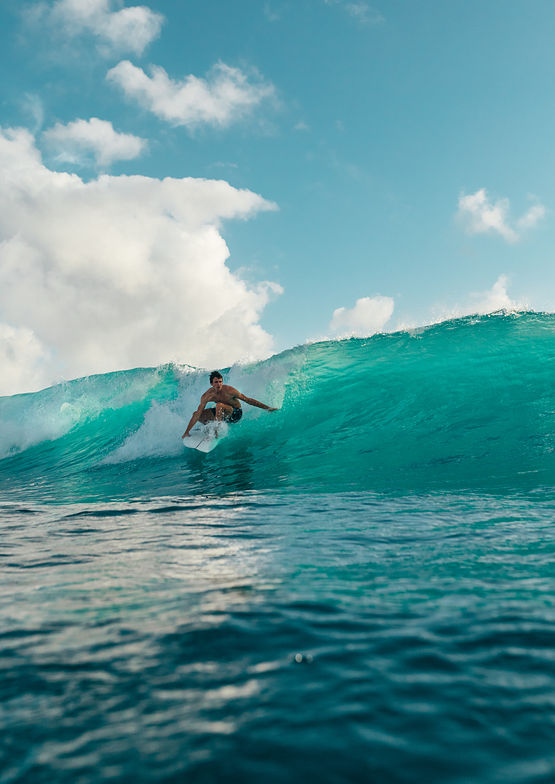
{"x":215,"y":374}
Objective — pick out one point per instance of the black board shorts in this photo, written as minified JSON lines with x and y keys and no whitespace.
{"x":236,"y":415}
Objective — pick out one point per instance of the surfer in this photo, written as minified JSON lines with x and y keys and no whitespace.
{"x":228,"y":405}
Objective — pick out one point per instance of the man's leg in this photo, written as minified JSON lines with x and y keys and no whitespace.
{"x":208,"y":415}
{"x":223,"y":411}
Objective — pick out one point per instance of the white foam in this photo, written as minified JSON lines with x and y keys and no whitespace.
{"x":159,"y":435}
{"x":35,"y":425}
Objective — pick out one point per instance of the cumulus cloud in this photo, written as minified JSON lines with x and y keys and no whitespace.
{"x":223,"y":98}
{"x":117,"y":272}
{"x":81,"y":137}
{"x":480,"y":216}
{"x":127,"y":30}
{"x":22,"y":359}
{"x":482,"y":302}
{"x":496,"y":299}
{"x":369,"y":315}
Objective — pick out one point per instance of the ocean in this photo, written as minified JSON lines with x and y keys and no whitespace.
{"x":359,"y":587}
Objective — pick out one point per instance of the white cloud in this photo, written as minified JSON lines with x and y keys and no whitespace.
{"x":93,"y":136}
{"x":360,"y":11}
{"x":364,"y":14}
{"x":496,"y":299}
{"x":369,"y":315}
{"x":118,"y":272}
{"x":480,"y":216}
{"x":32,"y":105}
{"x":225,"y":97}
{"x":483,"y":302}
{"x":22,"y":359}
{"x":530,"y":218}
{"x":129,"y":29}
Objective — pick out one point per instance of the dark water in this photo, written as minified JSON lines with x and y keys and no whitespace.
{"x":362,"y":591}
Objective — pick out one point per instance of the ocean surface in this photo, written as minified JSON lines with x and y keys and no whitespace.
{"x":357,"y":588}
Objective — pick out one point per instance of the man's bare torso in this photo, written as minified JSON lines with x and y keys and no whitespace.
{"x":226,"y":394}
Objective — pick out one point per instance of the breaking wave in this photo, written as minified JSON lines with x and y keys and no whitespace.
{"x":465,"y":404}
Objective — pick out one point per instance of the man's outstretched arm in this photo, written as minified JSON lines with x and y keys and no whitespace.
{"x":252,"y":402}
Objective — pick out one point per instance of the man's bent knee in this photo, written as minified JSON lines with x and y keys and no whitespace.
{"x":223,"y":411}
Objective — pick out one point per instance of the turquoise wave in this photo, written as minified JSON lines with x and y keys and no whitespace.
{"x":465,"y":404}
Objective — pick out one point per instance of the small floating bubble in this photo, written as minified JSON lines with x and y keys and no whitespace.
{"x":298,"y":657}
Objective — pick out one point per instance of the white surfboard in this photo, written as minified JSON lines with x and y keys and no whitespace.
{"x":206,"y":438}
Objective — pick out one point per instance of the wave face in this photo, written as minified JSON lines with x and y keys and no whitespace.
{"x":468,"y":404}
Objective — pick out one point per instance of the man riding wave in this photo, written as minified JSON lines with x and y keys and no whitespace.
{"x":228,"y":405}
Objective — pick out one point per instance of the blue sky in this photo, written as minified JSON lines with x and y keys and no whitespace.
{"x":367,"y":125}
